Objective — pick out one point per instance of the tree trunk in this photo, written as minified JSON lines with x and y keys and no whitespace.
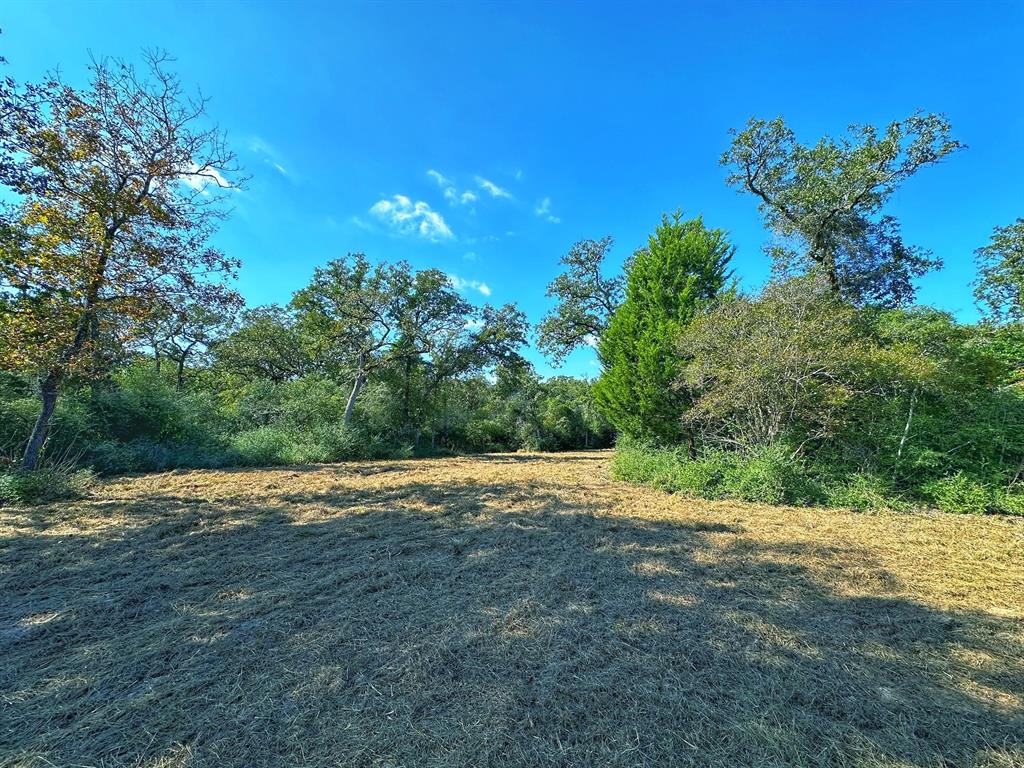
{"x":356,"y":387}
{"x":906,"y":427}
{"x":48,"y":392}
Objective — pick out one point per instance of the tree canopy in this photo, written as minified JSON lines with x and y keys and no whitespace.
{"x":825,"y":200}
{"x":684,"y":266}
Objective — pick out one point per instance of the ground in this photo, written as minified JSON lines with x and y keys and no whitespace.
{"x":506,"y":610}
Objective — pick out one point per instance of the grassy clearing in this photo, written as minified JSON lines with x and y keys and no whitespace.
{"x":513,"y":610}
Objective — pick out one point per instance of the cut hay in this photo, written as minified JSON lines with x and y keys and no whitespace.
{"x":519,"y":610}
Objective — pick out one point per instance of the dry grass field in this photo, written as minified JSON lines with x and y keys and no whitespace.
{"x":505,"y":610}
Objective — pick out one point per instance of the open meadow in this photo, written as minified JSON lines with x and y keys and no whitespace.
{"x":514,"y":610}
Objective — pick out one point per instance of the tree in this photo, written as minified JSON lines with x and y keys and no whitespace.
{"x":999,"y":289}
{"x":825,"y":200}
{"x":125,"y":185}
{"x":489,"y":338}
{"x":351,"y":313}
{"x":266,"y":344}
{"x":586,"y":300}
{"x":683,"y":267}
{"x":772,"y":367}
{"x":193,"y":330}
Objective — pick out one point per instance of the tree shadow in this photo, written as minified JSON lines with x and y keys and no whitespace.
{"x":480,"y":623}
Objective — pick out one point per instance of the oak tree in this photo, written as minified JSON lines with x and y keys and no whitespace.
{"x":825,"y":200}
{"x":121,"y":185}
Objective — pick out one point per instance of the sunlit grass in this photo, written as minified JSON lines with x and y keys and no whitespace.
{"x":501,"y":610}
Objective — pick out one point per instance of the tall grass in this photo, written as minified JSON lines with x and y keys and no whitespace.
{"x":773,"y":475}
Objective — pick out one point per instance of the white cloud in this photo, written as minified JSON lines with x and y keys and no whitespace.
{"x":475,"y":324}
{"x":469,"y":256}
{"x":442,"y":180}
{"x":409,"y":218}
{"x":201,"y":178}
{"x":269,"y":155}
{"x":451,"y":193}
{"x":492,"y":188}
{"x":462,"y":284}
{"x":543,"y":210}
{"x":590,"y":340}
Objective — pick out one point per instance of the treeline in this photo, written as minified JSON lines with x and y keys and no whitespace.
{"x":123,"y":347}
{"x":829,"y":385}
{"x":365,"y":362}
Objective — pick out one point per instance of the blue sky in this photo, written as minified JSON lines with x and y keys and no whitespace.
{"x":485,"y":138}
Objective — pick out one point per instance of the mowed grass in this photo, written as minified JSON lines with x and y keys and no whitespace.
{"x":516,"y":610}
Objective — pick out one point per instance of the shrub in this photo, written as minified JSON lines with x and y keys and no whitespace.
{"x":44,"y":485}
{"x":1010,"y":502}
{"x":862,"y":492}
{"x":264,"y":446}
{"x":960,"y":493}
{"x":768,"y":476}
{"x":113,"y":458}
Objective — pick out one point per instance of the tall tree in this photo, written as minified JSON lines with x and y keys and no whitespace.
{"x":351,"y":313}
{"x":266,"y":344}
{"x":586,"y":300}
{"x":192,"y":331}
{"x":825,"y":200}
{"x":683,"y":267}
{"x":999,"y":288}
{"x":120,"y":185}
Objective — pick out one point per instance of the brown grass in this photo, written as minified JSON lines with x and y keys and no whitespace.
{"x":503,"y":610}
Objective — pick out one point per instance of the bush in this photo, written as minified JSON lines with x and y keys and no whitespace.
{"x":768,"y":476}
{"x":113,"y":458}
{"x":44,"y":485}
{"x":264,"y":446}
{"x":961,"y":493}
{"x":862,"y":492}
{"x":1010,"y":502}
{"x":268,"y":446}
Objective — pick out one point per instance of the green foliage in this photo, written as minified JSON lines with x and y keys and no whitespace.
{"x":586,"y":300}
{"x":781,"y":366}
{"x":960,"y":493}
{"x":768,"y":476}
{"x":1000,"y":285}
{"x":824,"y":200}
{"x":861,"y":492}
{"x":45,"y":485}
{"x":682,"y":269}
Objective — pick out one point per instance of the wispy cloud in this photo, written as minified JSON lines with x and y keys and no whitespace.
{"x":462,"y":284}
{"x":493,"y":189}
{"x":269,"y":155}
{"x":470,"y":256}
{"x":451,"y":192}
{"x":442,"y":180}
{"x":201,"y":178}
{"x":412,"y":218}
{"x":543,"y":210}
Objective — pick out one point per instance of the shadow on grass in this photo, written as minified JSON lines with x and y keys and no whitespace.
{"x":479,"y":624}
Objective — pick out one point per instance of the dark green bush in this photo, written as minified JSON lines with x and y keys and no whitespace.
{"x":44,"y":485}
{"x":769,"y":476}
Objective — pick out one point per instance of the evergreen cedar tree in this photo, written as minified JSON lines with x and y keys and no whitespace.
{"x":683,"y":268}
